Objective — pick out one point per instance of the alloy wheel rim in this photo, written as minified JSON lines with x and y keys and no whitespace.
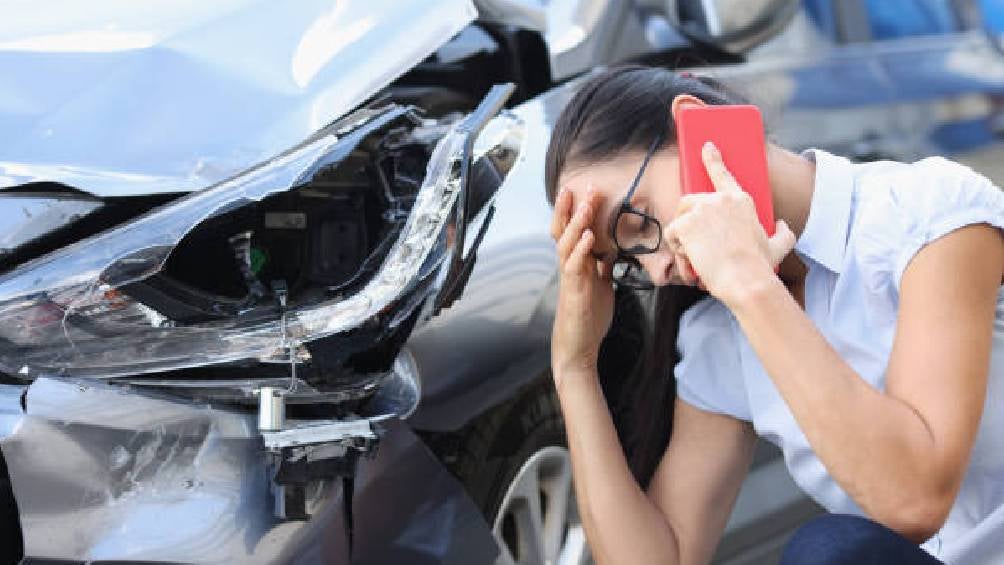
{"x":537,"y":522}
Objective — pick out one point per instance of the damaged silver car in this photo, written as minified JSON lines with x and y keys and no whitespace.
{"x":218,"y":373}
{"x":275,"y":280}
{"x":232,"y":242}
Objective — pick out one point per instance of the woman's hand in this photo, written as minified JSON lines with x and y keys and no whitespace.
{"x":720,"y":236}
{"x":586,"y":295}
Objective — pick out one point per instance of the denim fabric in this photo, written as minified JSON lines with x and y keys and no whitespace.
{"x":844,"y":539}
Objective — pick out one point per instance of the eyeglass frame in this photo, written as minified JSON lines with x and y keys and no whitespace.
{"x":626,"y":207}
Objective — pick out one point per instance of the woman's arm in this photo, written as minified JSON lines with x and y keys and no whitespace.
{"x":900,"y":454}
{"x":681,"y":518}
{"x":695,"y":486}
{"x":699,"y":477}
{"x":621,"y":523}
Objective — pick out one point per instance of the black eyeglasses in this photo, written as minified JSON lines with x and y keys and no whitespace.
{"x":635,"y":233}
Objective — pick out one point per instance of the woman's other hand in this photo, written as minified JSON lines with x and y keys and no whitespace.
{"x":720,"y":236}
{"x":585,"y":295}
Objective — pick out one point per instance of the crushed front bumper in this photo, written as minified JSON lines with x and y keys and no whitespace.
{"x":104,"y":473}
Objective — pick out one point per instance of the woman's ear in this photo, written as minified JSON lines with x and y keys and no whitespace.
{"x":682,"y":100}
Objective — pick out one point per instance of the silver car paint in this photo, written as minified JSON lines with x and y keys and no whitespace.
{"x":103,"y":473}
{"x":116,"y":98}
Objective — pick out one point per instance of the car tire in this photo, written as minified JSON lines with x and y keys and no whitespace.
{"x":502,"y":452}
{"x":515,"y":464}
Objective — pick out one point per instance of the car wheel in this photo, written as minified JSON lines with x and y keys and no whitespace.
{"x":537,"y":521}
{"x":515,"y":464}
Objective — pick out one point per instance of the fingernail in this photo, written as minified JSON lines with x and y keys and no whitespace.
{"x":710,"y":148}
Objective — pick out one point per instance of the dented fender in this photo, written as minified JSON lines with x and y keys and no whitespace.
{"x":101,"y":472}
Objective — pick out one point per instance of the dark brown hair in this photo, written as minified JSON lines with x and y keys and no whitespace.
{"x":622,"y":110}
{"x":617,"y":111}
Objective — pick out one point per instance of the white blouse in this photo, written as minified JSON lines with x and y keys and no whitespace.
{"x":866,"y":221}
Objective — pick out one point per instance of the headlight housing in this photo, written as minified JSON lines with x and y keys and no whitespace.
{"x":72,"y":312}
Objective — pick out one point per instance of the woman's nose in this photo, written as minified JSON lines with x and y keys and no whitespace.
{"x":658,"y":265}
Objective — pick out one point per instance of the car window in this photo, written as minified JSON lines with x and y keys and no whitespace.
{"x":855,"y":21}
{"x":891,"y":19}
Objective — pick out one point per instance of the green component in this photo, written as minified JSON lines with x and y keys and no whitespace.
{"x":259,"y":258}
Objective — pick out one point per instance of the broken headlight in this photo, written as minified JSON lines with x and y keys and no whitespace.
{"x":302,"y":226}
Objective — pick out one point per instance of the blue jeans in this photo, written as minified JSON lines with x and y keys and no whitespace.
{"x":842,"y":539}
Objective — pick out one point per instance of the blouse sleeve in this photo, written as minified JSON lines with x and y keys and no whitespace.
{"x":904,"y":207}
{"x":943,"y":197}
{"x":709,"y":375}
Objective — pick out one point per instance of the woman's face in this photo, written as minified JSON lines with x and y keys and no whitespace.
{"x":657,"y":194}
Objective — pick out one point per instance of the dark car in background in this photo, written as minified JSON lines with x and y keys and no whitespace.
{"x":275,"y":279}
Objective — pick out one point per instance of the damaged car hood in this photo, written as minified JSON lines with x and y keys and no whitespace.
{"x":119,"y":98}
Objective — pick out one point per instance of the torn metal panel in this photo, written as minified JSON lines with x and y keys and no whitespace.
{"x":96,"y":470}
{"x":101,"y":473}
{"x":119,"y":98}
{"x":66,"y":313}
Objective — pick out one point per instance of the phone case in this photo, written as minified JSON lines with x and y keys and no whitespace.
{"x":737,"y":131}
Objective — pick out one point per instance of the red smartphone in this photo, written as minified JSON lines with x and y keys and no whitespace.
{"x":737,"y":131}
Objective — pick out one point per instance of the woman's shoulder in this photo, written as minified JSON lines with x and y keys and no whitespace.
{"x":900,"y":207}
{"x":932,"y":182}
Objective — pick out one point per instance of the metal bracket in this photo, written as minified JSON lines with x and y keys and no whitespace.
{"x":332,"y":431}
{"x":305,"y":454}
